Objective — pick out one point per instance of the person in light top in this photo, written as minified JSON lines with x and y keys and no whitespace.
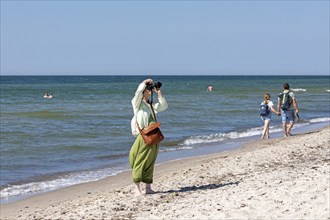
{"x":289,"y":113}
{"x":266,"y":119}
{"x":142,"y":157}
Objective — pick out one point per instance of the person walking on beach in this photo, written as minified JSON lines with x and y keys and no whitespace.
{"x":266,"y":109}
{"x":287,"y":103}
{"x":142,"y":157}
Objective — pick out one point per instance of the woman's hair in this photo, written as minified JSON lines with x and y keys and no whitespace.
{"x":266,"y":98}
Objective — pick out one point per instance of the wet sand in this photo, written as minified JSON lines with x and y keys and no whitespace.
{"x":280,"y":178}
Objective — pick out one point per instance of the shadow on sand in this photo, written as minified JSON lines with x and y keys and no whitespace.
{"x":203,"y":187}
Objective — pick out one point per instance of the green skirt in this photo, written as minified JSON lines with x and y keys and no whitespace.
{"x":142,"y":160}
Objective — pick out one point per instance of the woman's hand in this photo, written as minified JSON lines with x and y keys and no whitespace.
{"x":148,"y":81}
{"x":158,"y":91}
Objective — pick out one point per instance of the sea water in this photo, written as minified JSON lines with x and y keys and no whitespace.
{"x":83,"y":134}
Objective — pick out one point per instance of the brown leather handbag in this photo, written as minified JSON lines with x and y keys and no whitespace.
{"x":151,"y":134}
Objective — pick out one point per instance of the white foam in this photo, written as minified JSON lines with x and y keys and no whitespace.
{"x":299,"y":90}
{"x":67,"y":180}
{"x":213,"y":138}
{"x":328,"y":90}
{"x":175,"y":149}
{"x":204,"y":139}
{"x":317,"y":120}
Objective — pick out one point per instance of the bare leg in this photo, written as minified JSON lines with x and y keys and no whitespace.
{"x":267,"y":130}
{"x":138,"y":190}
{"x":264,"y":132}
{"x":148,"y":189}
{"x":284,"y":129}
{"x":289,"y":128}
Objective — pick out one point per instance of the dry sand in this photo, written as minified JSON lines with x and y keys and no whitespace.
{"x":282,"y":178}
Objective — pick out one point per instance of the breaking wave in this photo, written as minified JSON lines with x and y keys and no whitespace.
{"x":299,"y":90}
{"x":213,"y":138}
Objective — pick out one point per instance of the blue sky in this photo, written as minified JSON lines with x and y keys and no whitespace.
{"x":164,"y":37}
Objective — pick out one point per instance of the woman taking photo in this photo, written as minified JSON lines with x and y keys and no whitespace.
{"x":142,"y":157}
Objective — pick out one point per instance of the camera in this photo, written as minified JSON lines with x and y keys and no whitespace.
{"x":151,"y":86}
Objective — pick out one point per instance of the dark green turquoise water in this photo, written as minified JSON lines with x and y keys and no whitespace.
{"x":83,"y":134}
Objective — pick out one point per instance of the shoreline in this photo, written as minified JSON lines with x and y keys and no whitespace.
{"x":37,"y":188}
{"x":168,"y":156}
{"x":271,"y":178}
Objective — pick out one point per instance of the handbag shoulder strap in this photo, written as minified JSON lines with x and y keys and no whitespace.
{"x":137,"y":124}
{"x":153,"y":111}
{"x":153,"y":114}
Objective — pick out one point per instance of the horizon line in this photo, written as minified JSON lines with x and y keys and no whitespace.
{"x":164,"y":75}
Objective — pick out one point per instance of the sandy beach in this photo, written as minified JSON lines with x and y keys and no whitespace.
{"x":280,"y":178}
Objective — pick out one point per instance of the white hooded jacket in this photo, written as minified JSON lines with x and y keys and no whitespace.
{"x":142,"y":110}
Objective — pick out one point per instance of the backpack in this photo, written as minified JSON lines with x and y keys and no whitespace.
{"x":264,"y":109}
{"x":285,"y":100}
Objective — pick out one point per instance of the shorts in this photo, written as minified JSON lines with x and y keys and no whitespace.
{"x":268,"y":117}
{"x":287,"y":116}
